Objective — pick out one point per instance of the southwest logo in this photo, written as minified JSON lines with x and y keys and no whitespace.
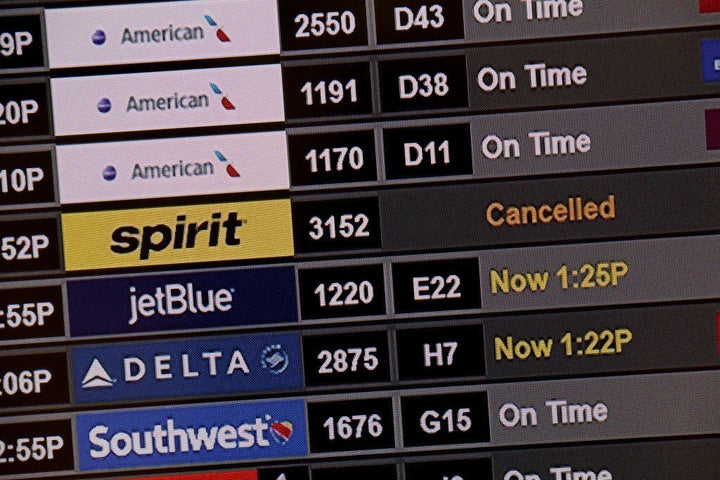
{"x":281,"y":431}
{"x":168,"y":437}
{"x":711,"y":60}
{"x":709,"y":6}
{"x":226,"y":103}
{"x":219,"y":33}
{"x":712,"y":129}
{"x":211,"y":433}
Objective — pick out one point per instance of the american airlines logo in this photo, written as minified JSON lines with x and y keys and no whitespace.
{"x":219,"y":32}
{"x":229,"y":169}
{"x":225,"y":101}
{"x":168,"y":34}
{"x":175,"y":170}
{"x":170,"y":102}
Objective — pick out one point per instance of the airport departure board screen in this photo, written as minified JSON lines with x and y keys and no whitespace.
{"x":360,"y":240}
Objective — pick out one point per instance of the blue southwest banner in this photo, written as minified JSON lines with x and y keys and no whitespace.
{"x":192,"y":435}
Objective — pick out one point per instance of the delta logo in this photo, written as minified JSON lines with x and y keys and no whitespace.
{"x":187,"y":368}
{"x":709,"y":6}
{"x":173,"y":171}
{"x":97,"y":377}
{"x":225,"y":363}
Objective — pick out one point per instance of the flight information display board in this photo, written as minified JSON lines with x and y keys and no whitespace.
{"x":389,"y":239}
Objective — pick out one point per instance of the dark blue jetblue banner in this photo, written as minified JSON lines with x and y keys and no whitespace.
{"x":251,"y":363}
{"x":192,"y":435}
{"x":182,"y":301}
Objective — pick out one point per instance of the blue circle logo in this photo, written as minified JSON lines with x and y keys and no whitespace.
{"x":104,"y":105}
{"x":109,"y":173}
{"x":98,"y":38}
{"x":275,"y":359}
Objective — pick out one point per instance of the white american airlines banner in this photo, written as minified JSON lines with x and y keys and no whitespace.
{"x":175,"y":167}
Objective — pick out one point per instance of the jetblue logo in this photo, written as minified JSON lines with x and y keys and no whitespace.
{"x":182,"y":301}
{"x":252,"y":363}
{"x":176,"y":299}
{"x":208,"y":433}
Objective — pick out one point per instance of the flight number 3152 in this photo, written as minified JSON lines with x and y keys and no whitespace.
{"x":344,"y":226}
